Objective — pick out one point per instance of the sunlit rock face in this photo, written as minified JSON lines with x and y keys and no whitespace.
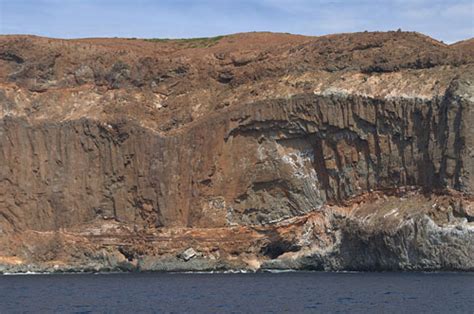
{"x":255,"y":150}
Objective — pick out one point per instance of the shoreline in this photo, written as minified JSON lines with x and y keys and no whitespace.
{"x":241,"y":271}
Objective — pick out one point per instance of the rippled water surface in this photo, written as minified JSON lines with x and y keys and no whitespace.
{"x":293,"y":292}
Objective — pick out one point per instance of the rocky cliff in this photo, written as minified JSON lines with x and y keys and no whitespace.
{"x":249,"y":151}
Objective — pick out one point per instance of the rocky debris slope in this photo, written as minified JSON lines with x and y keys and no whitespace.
{"x":246,"y":151}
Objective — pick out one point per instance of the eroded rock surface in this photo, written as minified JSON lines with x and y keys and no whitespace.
{"x":257,"y":150}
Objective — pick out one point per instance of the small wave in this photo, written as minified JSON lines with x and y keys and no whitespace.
{"x":25,"y":273}
{"x":230,"y":271}
{"x":278,"y":271}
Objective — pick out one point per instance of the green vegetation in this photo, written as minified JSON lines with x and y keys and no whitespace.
{"x":199,"y":42}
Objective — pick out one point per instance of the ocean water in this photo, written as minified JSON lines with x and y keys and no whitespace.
{"x":290,"y":292}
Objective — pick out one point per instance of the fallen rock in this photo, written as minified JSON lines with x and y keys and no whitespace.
{"x":188,"y":254}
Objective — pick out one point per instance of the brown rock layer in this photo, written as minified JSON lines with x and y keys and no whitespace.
{"x":236,"y":146}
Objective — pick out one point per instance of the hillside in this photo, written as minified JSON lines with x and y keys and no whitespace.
{"x":256,"y":150}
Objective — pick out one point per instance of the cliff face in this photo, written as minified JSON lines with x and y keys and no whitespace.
{"x":257,"y":150}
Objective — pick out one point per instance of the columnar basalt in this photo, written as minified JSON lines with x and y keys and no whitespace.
{"x":256,"y":150}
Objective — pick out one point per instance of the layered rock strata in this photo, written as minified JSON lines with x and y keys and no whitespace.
{"x":253,"y":151}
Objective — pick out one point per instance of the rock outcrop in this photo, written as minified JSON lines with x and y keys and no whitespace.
{"x":258,"y":151}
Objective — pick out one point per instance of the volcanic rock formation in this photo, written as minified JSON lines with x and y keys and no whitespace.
{"x":252,"y":151}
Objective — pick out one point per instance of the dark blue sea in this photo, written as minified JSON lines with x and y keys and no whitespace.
{"x":290,"y":292}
